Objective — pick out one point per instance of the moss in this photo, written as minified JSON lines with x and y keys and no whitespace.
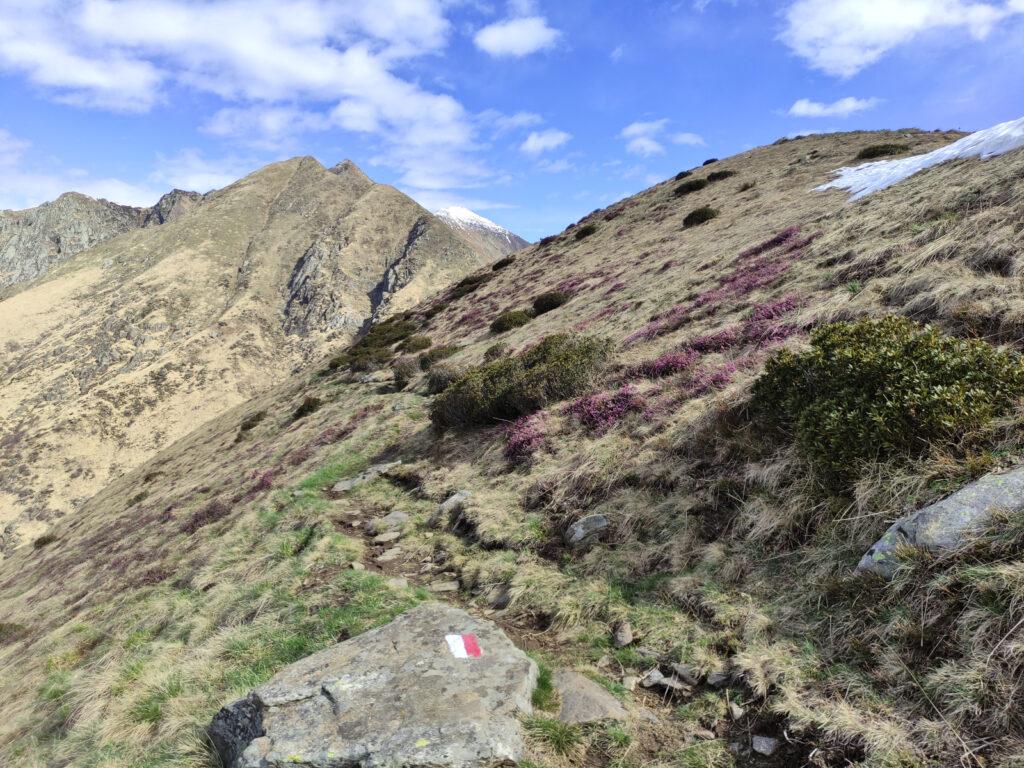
{"x":883,"y":389}
{"x":881,"y":150}
{"x":559,"y":367}
{"x":699,"y":216}
{"x":549,"y":301}
{"x":427,"y":359}
{"x":690,"y":186}
{"x":506,"y":321}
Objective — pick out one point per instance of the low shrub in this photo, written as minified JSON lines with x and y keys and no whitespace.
{"x":211,"y":513}
{"x":747,"y":186}
{"x":440,"y":377}
{"x":428,"y":358}
{"x":585,"y":231}
{"x":559,"y":367}
{"x":687,"y":187}
{"x":514,"y":318}
{"x":883,"y":389}
{"x":404,"y":370}
{"x":42,"y":541}
{"x":502,"y":263}
{"x":710,"y":160}
{"x":549,"y":301}
{"x":682,"y":175}
{"x":374,"y":349}
{"x":524,"y":438}
{"x":699,"y":216}
{"x":308,"y":406}
{"x":720,"y":175}
{"x":495,"y":352}
{"x":880,"y":150}
{"x":468,"y":284}
{"x":600,"y":412}
{"x":416,"y":343}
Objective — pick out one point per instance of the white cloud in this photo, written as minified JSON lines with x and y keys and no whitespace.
{"x":500,"y":123}
{"x":556,"y":166}
{"x":841,"y":108}
{"x":618,"y":52}
{"x":191,"y":170}
{"x":842,"y":37}
{"x":688,"y":139}
{"x":11,"y":148}
{"x":517,"y":37}
{"x":644,"y":138}
{"x":265,"y":127}
{"x":544,"y":141}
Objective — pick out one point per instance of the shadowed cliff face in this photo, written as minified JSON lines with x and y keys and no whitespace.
{"x":114,"y":352}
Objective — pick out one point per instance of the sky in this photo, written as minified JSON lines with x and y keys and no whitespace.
{"x":530,"y":112}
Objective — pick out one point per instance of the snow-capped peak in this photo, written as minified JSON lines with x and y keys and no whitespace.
{"x":463,"y":217}
{"x":871,"y":177}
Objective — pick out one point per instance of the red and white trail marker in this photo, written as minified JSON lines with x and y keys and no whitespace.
{"x":464,"y":646}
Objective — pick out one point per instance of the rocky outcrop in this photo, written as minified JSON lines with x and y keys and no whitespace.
{"x":947,"y":524}
{"x":435,"y":687}
{"x":171,"y":207}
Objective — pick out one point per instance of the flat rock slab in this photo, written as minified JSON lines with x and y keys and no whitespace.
{"x":366,"y":476}
{"x":436,"y":687}
{"x":947,"y":524}
{"x":584,"y":701}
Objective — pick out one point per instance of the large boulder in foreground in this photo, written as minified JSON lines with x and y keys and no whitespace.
{"x":947,"y":524}
{"x":435,"y":687}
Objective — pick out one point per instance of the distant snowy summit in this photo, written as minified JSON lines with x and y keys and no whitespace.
{"x":862,"y":180}
{"x":494,"y":237}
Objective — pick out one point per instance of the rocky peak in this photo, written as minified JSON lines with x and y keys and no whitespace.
{"x":170,"y":207}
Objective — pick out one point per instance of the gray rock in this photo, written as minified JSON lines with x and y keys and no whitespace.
{"x":448,"y":512}
{"x":736,"y":711}
{"x":586,"y":530}
{"x":686,"y":673}
{"x":584,"y":701}
{"x":395,"y":519}
{"x":630,"y":682}
{"x":499,"y":597}
{"x":398,"y":582}
{"x":355,"y":565}
{"x":364,"y":477}
{"x":444,"y":586}
{"x":389,"y":554}
{"x":622,"y":634}
{"x":393,"y":697}
{"x":765,"y":745}
{"x":718,"y":679}
{"x":387,"y":538}
{"x":655,"y":679}
{"x":947,"y":524}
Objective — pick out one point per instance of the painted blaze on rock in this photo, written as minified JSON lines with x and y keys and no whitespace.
{"x":947,"y":524}
{"x":397,"y":696}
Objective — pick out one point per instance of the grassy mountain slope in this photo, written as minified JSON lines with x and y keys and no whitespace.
{"x":131,"y":344}
{"x":186,"y":581}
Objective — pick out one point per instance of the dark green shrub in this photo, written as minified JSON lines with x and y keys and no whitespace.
{"x":427,"y":359}
{"x":42,"y":541}
{"x":248,"y":424}
{"x":883,"y":389}
{"x":720,"y":175}
{"x":514,"y":318}
{"x":374,"y":349}
{"x":495,"y":352}
{"x":549,"y":301}
{"x":710,"y":160}
{"x":308,"y":406}
{"x":881,"y":150}
{"x":692,"y":185}
{"x":468,"y":284}
{"x":404,"y":370}
{"x":559,"y":367}
{"x":682,"y":175}
{"x":586,"y":231}
{"x":502,"y":263}
{"x":699,"y":216}
{"x":441,"y":376}
{"x":415,"y":344}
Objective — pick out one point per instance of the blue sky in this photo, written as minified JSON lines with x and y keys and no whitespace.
{"x":531,"y":112}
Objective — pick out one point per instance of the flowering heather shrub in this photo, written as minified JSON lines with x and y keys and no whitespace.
{"x":600,"y":412}
{"x":667,"y":266}
{"x":571,"y":284}
{"x":761,"y":329}
{"x":667,"y":364}
{"x":717,"y":342}
{"x":524,"y":437}
{"x":614,"y":288}
{"x":300,"y":455}
{"x":661,"y":324}
{"x":606,"y":312}
{"x":705,"y":380}
{"x":771,"y":243}
{"x":211,"y":513}
{"x":264,"y":480}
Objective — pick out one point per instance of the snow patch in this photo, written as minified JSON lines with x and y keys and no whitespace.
{"x":872,"y":177}
{"x":463,"y":217}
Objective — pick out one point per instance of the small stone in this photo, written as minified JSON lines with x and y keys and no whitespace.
{"x":398,"y":583}
{"x":586,"y":530}
{"x":357,"y":523}
{"x":355,"y":565}
{"x":448,"y":511}
{"x":704,"y":734}
{"x":390,"y":554}
{"x":444,"y":586}
{"x":499,"y":597}
{"x":387,"y":538}
{"x":718,"y":679}
{"x":765,"y":745}
{"x":584,"y":701}
{"x":392,"y":520}
{"x":655,"y":678}
{"x":686,"y":673}
{"x":605,"y":662}
{"x":630,"y":682}
{"x":622,"y":634}
{"x":736,"y":711}
{"x":363,"y":477}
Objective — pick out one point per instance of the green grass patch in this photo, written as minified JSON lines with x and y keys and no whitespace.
{"x":554,"y":735}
